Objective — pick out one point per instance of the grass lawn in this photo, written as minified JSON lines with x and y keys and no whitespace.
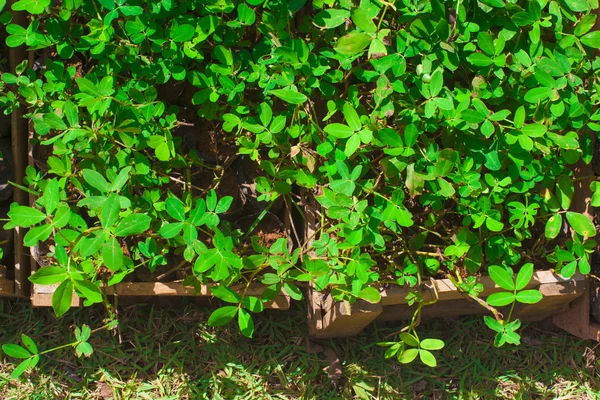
{"x":173,"y":354}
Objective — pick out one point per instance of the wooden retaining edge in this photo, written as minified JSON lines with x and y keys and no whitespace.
{"x":19,"y":141}
{"x":339,"y":319}
{"x":7,"y":286}
{"x":42,"y":294}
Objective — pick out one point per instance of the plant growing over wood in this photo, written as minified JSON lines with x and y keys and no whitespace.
{"x":439,"y":138}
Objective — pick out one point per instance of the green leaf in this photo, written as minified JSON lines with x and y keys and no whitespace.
{"x":500,"y":299}
{"x":585,"y":24}
{"x":409,"y":339}
{"x":37,"y":234}
{"x":96,"y":180}
{"x":553,"y":226}
{"x":175,"y":208}
{"x":224,"y":204}
{"x":62,"y":216}
{"x":133,"y":224}
{"x":86,"y":86}
{"x":31,"y":6}
{"x":170,"y":230}
{"x":182,"y":33}
{"x":529,"y":296}
{"x":370,"y":294}
{"x":436,"y":83}
{"x":351,"y":117}
{"x":485,"y":42}
{"x":352,"y":43}
{"x":584,"y":266}
{"x":51,"y":196}
{"x":578,"y":5}
{"x":519,"y":117}
{"x":255,"y":304}
{"x":289,"y":96}
{"x":408,"y":356}
{"x":363,"y":21}
{"x":226,"y":294}
{"x":245,"y":14}
{"x":24,"y":216}
{"x":339,"y":131}
{"x":121,"y":179}
{"x":352,"y":145}
{"x":592,"y":39}
{"x":536,"y":95}
{"x":15,"y":351}
{"x":293,"y":291}
{"x":62,"y":297}
{"x":49,"y":275}
{"x":88,"y":291}
{"x":524,"y":276}
{"x":110,"y":211}
{"x":222,"y":315}
{"x":112,"y":254}
{"x":565,"y":191}
{"x":534,"y":130}
{"x":493,"y":324}
{"x":480,"y":60}
{"x":390,"y":137}
{"x":446,"y":161}
{"x":432,"y":344}
{"x":245,"y":323}
{"x":581,"y":224}
{"x":493,"y":3}
{"x":29,"y":343}
{"x":92,"y":245}
{"x":331,"y":18}
{"x":84,"y":349}
{"x":494,"y":225}
{"x":23,"y":366}
{"x":427,"y":358}
{"x":501,"y":277}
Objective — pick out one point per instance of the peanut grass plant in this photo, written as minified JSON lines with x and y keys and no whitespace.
{"x":184,"y":140}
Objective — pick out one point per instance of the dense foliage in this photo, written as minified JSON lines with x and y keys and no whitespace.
{"x":439,"y":138}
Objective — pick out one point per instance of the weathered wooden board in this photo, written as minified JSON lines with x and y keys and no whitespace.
{"x":7,"y":287}
{"x":576,"y":319}
{"x":20,"y":148}
{"x":338,"y":319}
{"x":42,"y":295}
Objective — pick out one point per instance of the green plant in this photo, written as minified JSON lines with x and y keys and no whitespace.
{"x":439,"y":138}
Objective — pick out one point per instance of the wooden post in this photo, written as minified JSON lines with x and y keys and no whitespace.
{"x":19,"y":140}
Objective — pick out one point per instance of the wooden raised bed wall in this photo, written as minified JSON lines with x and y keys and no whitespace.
{"x":328,"y":318}
{"x":336,"y":319}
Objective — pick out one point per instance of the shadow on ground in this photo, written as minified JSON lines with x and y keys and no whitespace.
{"x":172,"y":354}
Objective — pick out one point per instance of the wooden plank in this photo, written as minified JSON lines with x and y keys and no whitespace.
{"x":7,"y":287}
{"x":447,"y":291}
{"x":348,"y":320}
{"x":42,"y":294}
{"x":343,"y":319}
{"x":20,"y":147}
{"x":557,"y":296}
{"x":577,"y":320}
{"x":315,"y":311}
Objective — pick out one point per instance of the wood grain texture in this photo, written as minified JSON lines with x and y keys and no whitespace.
{"x":7,"y":287}
{"x":20,"y":148}
{"x":577,"y":319}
